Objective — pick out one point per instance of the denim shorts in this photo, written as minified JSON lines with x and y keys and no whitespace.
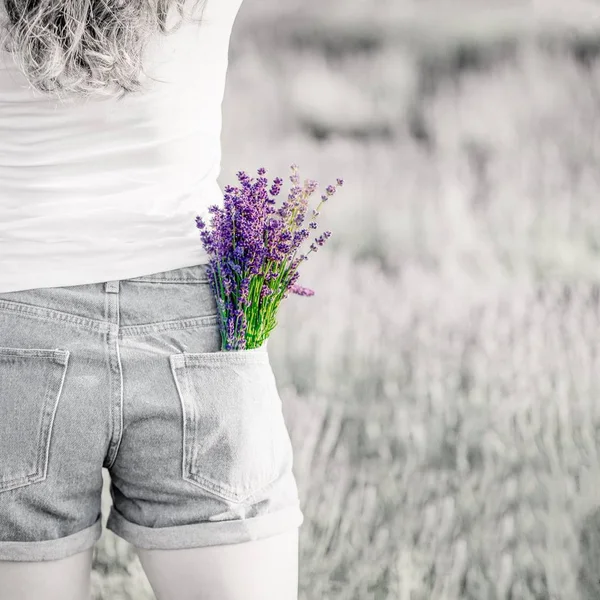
{"x":129,"y":375}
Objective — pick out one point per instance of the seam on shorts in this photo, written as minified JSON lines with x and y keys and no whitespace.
{"x":159,"y":280}
{"x":54,"y":316}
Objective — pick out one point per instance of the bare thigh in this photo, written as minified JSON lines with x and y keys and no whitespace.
{"x":65,"y":579}
{"x":260,"y":570}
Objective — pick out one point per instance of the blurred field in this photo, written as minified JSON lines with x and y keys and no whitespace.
{"x":442,"y":387}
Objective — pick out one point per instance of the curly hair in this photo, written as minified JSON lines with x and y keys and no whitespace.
{"x":86,"y":47}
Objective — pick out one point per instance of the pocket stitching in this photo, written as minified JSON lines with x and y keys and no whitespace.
{"x":198,"y":359}
{"x":214,"y":487}
{"x":179,"y":362}
{"x":49,"y":407}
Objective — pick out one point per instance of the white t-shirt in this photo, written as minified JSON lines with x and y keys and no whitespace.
{"x":95,"y":190}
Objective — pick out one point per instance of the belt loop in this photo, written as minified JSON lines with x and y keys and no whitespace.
{"x":112,"y":286}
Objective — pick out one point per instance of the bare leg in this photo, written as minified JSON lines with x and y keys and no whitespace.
{"x":65,"y":579}
{"x":260,"y":570}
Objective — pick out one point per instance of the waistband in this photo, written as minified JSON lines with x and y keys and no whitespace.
{"x":193,"y":274}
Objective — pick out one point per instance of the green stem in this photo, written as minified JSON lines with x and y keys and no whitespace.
{"x":222,"y":311}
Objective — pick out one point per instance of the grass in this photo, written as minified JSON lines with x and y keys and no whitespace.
{"x":445,"y":419}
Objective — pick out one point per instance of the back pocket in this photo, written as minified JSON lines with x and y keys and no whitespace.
{"x":235,"y":440}
{"x":31,"y":382}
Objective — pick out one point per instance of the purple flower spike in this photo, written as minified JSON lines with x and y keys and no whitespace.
{"x":265,"y":291}
{"x":301,"y":291}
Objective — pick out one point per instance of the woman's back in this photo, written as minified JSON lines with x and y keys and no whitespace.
{"x":103,"y":188}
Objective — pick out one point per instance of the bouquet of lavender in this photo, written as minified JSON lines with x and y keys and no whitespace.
{"x":252,"y":248}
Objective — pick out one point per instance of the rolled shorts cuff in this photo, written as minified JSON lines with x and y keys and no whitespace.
{"x":52,"y":549}
{"x":206,"y":533}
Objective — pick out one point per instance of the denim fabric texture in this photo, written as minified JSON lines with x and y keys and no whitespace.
{"x":129,"y":375}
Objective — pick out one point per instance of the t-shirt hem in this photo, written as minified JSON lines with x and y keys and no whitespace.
{"x":57,"y":277}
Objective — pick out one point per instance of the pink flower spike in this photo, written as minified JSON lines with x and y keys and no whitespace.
{"x":301,"y":291}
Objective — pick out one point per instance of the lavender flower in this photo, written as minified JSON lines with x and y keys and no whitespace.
{"x":252,"y":247}
{"x":302,"y":291}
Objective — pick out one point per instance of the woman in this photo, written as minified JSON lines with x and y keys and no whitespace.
{"x":110,"y":352}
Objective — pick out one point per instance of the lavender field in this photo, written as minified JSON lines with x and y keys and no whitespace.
{"x":442,"y":388}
